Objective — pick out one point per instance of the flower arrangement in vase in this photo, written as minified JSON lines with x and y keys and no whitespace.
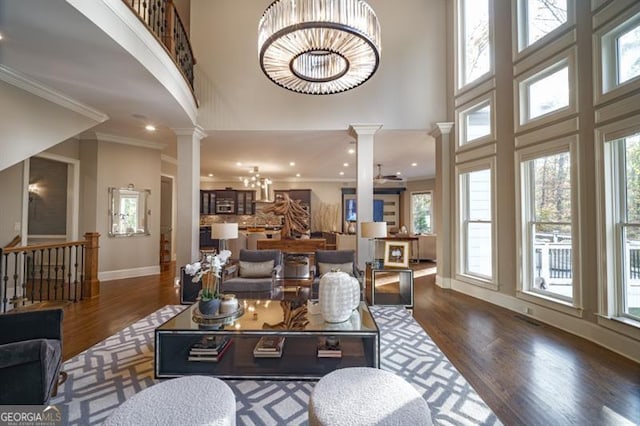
{"x":208,"y":270}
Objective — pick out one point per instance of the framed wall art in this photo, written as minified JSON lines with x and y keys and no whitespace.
{"x":396,"y":254}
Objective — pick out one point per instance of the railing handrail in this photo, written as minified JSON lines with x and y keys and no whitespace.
{"x":35,"y":247}
{"x":168,"y":48}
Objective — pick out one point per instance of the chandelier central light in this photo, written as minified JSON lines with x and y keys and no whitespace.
{"x":319,"y":47}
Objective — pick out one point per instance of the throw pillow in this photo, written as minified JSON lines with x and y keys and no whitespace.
{"x":342,"y":267}
{"x":256,"y":269}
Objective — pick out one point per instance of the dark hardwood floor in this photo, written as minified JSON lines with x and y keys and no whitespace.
{"x":528,"y":373}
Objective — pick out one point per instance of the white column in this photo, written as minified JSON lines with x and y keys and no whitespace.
{"x":188,"y":196}
{"x":444,"y":212}
{"x":364,"y":134}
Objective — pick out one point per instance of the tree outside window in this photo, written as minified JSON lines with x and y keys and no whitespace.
{"x":421,"y":212}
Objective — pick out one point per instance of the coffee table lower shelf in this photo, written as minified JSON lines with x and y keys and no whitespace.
{"x":299,"y":360}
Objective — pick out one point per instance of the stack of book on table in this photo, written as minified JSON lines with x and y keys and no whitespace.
{"x":329,"y":348}
{"x":269,"y":347}
{"x":209,"y":349}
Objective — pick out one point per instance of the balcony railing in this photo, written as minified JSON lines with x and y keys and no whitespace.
{"x":47,"y":272}
{"x":162,"y":19}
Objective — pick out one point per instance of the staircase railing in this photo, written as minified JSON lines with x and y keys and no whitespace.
{"x":45,"y":272}
{"x":163,"y":20}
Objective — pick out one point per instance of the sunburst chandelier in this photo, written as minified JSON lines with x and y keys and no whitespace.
{"x":319,"y":47}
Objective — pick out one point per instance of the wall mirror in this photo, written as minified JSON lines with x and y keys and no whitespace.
{"x":128,"y":212}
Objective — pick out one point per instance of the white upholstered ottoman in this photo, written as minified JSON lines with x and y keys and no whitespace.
{"x":366,"y":396}
{"x":190,"y":400}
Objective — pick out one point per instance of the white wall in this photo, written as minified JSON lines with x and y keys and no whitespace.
{"x":238,"y":96}
{"x":31,"y":124}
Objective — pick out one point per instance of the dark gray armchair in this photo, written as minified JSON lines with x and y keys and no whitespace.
{"x":254,"y":275}
{"x":30,"y":356}
{"x":326,"y":260}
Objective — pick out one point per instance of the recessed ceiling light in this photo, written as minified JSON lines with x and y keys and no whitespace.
{"x":292,"y":163}
{"x":346,"y":164}
{"x":414,"y":164}
{"x":0,"y":36}
{"x":351,"y":151}
{"x":210,"y":174}
{"x":297,"y":174}
{"x":150,"y":128}
{"x":341,"y":173}
{"x":398,"y":173}
{"x":239,"y":164}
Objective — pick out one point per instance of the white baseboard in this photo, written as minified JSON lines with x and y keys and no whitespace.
{"x":616,"y":342}
{"x":443,"y":282}
{"x":129,"y":273}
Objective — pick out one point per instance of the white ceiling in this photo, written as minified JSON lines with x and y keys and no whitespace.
{"x":247,"y":117}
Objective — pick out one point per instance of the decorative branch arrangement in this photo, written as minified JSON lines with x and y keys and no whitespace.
{"x":296,"y":218}
{"x":295,"y":316}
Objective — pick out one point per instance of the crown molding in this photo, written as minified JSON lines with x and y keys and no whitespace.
{"x":106,"y":137}
{"x":21,"y":81}
{"x":169,"y":160}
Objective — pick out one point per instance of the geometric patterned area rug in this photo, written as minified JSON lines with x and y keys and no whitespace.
{"x":105,"y":375}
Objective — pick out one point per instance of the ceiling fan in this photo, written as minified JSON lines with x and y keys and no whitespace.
{"x":380,"y":178}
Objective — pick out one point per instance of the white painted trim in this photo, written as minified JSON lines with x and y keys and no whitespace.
{"x":17,"y":79}
{"x":129,"y":273}
{"x":24,"y":227}
{"x":169,"y":160}
{"x":618,"y":343}
{"x":552,"y":131}
{"x":443,"y":282}
{"x":117,"y":20}
{"x":461,"y":115}
{"x":475,"y":92}
{"x":106,"y":137}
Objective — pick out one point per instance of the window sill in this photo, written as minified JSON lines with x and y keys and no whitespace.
{"x":548,"y":302}
{"x":626,"y":326}
{"x":477,"y":281}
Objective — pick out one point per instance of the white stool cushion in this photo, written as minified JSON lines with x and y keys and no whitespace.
{"x":366,"y":396}
{"x":189,"y":400}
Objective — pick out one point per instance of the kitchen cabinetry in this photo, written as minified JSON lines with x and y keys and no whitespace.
{"x":302,"y":195}
{"x":207,"y":202}
{"x":245,"y":202}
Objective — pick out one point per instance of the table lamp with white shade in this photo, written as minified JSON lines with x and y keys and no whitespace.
{"x":373,"y":230}
{"x":224,"y":232}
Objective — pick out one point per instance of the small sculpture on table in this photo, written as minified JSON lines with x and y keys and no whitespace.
{"x":295,"y":316}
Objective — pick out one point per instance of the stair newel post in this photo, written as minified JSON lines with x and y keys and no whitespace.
{"x":91,"y":284}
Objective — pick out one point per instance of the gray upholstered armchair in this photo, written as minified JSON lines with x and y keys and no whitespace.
{"x":326,"y":260}
{"x":30,"y":356}
{"x":254,"y":275}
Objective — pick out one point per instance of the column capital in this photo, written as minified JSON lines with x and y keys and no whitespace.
{"x":439,"y":129}
{"x":364,"y":129}
{"x":196,"y":131}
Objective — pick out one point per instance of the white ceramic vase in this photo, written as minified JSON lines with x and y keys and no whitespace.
{"x":339,"y":295}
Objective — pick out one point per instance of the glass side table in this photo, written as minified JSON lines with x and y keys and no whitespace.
{"x":389,"y":286}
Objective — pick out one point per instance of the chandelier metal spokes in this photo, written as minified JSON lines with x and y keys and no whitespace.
{"x":319,"y":46}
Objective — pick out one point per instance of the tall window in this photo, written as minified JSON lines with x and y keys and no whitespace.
{"x":474,"y":45}
{"x":421,"y":212}
{"x":625,"y":169}
{"x":476,"y":224}
{"x":539,"y":18}
{"x":547,"y":233}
